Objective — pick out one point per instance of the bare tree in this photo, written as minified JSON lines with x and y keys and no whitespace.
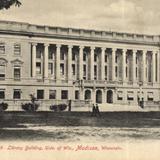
{"x":6,"y":4}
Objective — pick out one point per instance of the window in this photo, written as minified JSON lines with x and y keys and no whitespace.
{"x":136,"y":72}
{"x":73,"y":69}
{"x":130,"y":96}
{"x":106,"y":72}
{"x":84,"y":56}
{"x":38,"y":68}
{"x":50,"y":55}
{"x":106,"y":58}
{"x":62,"y":56}
{"x":62,"y":69}
{"x":2,"y":72}
{"x":2,"y":48}
{"x":38,"y":54}
{"x":84,"y":70}
{"x":17,"y":49}
{"x":17,"y":94}
{"x":40,"y":94}
{"x":95,"y":57}
{"x":64,"y":94}
{"x":126,"y":72}
{"x":76,"y":94}
{"x":50,"y":68}
{"x":73,"y":56}
{"x":17,"y":73}
{"x":95,"y":72}
{"x":120,"y":95}
{"x":116,"y":70}
{"x":2,"y":94}
{"x":116,"y":59}
{"x":52,"y":94}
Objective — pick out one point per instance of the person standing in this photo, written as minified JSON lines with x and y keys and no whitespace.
{"x":69,"y":105}
{"x":97,"y":110}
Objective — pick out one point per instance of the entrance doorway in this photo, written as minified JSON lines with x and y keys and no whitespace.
{"x":98,"y":96}
{"x":109,"y":96}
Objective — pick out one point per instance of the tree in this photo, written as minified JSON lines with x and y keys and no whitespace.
{"x":6,"y":4}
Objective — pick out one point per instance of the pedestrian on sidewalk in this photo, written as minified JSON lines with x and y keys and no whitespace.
{"x":97,"y":111}
{"x":93,"y":110}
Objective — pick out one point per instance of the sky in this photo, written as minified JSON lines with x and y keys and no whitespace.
{"x":138,"y":16}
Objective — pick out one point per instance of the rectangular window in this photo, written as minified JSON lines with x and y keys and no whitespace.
{"x":2,"y":72}
{"x":106,"y":58}
{"x":50,"y":68}
{"x":84,"y":57}
{"x":95,"y":57}
{"x":116,"y":59}
{"x":50,"y":55}
{"x":126,"y":72}
{"x":64,"y":94}
{"x":120,"y":95}
{"x":105,"y":72}
{"x":2,"y":48}
{"x":17,"y":49}
{"x":95,"y":72}
{"x":62,"y":69}
{"x":38,"y":54}
{"x":116,"y":71}
{"x":130,"y":96}
{"x":17,"y":94}
{"x":62,"y":56}
{"x":38,"y":68}
{"x":40,"y":94}
{"x":84,"y":70}
{"x":17,"y":73}
{"x":73,"y":56}
{"x":2,"y":94}
{"x":73,"y":69}
{"x":76,"y":94}
{"x":52,"y":94}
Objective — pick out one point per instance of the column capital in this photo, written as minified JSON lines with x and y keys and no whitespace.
{"x":46,"y":44}
{"x":124,"y":50}
{"x":92,"y":47}
{"x":103,"y":48}
{"x":114,"y":49}
{"x":134,"y":50}
{"x":58,"y":45}
{"x":70,"y":46}
{"x":81,"y":47}
{"x":34,"y":43}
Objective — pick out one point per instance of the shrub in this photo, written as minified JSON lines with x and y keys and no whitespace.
{"x":59,"y":107}
{"x":3,"y":106}
{"x":30,"y":106}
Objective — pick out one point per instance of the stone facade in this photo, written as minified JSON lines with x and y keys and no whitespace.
{"x":56,"y":63}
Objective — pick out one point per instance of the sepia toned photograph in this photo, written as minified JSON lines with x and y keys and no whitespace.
{"x":79,"y":79}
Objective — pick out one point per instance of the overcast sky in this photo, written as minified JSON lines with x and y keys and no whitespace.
{"x":140,"y":16}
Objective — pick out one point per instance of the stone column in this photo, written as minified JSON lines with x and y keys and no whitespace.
{"x":80,"y":62}
{"x":34,"y":59}
{"x":102,"y":63}
{"x":70,"y":62}
{"x":124,"y":65}
{"x":58,"y":61}
{"x":134,"y":65}
{"x":153,"y":67}
{"x":113,"y":63}
{"x":46,"y":60}
{"x":144,"y":66}
{"x":92,"y":63}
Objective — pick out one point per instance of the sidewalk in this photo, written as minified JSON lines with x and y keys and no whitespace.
{"x":117,"y":108}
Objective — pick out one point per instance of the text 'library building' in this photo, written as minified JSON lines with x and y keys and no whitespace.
{"x":56,"y":63}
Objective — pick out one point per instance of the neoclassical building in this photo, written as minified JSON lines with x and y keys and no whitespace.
{"x":57,"y":63}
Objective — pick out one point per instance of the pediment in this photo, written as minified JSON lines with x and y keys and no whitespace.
{"x":3,"y":61}
{"x":17,"y":62}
